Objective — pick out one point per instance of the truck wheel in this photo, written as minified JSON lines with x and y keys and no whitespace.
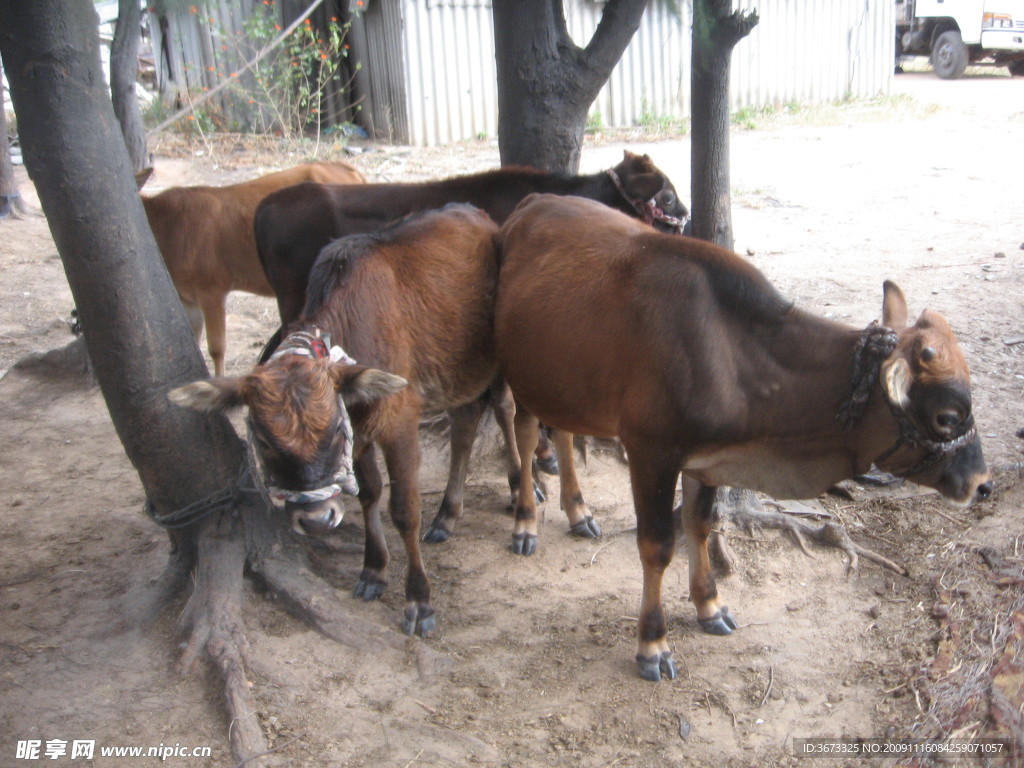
{"x":949,"y":55}
{"x":1016,"y":68}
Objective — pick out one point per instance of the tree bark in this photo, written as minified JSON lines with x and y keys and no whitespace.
{"x":124,"y":66}
{"x":716,"y":30}
{"x":546,"y":83}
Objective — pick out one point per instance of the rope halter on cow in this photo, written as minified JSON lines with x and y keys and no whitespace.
{"x":873,"y":347}
{"x":316,"y":344}
{"x":649,"y":210}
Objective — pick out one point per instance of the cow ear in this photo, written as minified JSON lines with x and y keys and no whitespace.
{"x":220,"y":394}
{"x":359,"y":384}
{"x":897,"y":379}
{"x":894,"y":306}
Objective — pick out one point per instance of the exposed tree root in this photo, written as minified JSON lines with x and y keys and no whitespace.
{"x":214,"y":617}
{"x":742,"y":509}
{"x":217,"y":552}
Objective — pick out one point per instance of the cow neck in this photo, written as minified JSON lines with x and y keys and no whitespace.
{"x":824,"y":375}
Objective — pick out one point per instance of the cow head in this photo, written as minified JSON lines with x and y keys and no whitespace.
{"x":299,"y":427}
{"x":928,"y":386}
{"x":650,"y":192}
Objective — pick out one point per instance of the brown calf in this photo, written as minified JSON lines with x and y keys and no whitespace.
{"x":687,"y":354}
{"x":205,"y":235}
{"x":416,"y":300}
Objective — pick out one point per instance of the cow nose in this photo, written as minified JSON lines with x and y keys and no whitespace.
{"x":984,"y":491}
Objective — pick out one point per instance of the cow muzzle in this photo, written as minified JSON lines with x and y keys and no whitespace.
{"x":315,"y":518}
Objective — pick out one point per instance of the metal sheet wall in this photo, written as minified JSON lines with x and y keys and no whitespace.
{"x":807,"y":51}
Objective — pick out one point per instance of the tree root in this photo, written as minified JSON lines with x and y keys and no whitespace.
{"x":214,"y":616}
{"x":743,"y":510}
{"x":220,"y":549}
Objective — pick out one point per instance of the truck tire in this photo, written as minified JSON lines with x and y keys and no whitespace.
{"x":949,"y":55}
{"x":1016,"y":68}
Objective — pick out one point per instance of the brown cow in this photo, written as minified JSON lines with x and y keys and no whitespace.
{"x":686,"y":353}
{"x":205,"y":235}
{"x":416,"y":300}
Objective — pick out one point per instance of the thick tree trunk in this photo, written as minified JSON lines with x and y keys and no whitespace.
{"x":136,"y":331}
{"x":124,"y":65}
{"x":716,"y":30}
{"x":546,"y":83}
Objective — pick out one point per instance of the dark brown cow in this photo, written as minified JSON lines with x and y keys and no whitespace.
{"x":687,"y":354}
{"x":416,"y":300}
{"x":205,"y":235}
{"x":293,"y":224}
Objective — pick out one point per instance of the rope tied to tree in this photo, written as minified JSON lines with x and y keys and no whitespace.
{"x":223,"y":500}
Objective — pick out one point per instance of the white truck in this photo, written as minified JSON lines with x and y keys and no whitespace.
{"x":955,"y":33}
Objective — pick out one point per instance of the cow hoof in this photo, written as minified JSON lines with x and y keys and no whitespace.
{"x":524,"y":544}
{"x":419,"y":620}
{"x":657,"y":667}
{"x":548,"y":465}
{"x":722,"y":623}
{"x":436,"y":534}
{"x":587,"y":528}
{"x":370,"y":586}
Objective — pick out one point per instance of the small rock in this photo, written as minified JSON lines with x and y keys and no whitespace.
{"x":999,"y":255}
{"x":874,"y":611}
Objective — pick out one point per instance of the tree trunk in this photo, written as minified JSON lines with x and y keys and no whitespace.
{"x":136,"y":331}
{"x":716,"y":30}
{"x":124,"y":66}
{"x":546,"y":83}
{"x":10,"y":197}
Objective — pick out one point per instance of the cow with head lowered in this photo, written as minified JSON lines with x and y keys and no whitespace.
{"x":397,"y":324}
{"x":686,"y":352}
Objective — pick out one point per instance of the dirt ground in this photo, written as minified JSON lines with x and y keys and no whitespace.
{"x":535,"y":655}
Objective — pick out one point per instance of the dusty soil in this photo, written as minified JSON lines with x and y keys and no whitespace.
{"x":536,"y":655}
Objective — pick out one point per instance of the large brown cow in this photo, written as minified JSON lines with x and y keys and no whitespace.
{"x":205,"y":235}
{"x":416,"y":300}
{"x":686,"y":353}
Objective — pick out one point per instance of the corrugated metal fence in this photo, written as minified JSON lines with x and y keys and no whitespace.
{"x":807,"y":51}
{"x":429,"y":75}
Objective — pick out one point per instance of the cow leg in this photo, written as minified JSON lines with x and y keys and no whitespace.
{"x":465,"y":420}
{"x":653,"y":478}
{"x":402,"y":456}
{"x":698,"y":520}
{"x":371,"y":582}
{"x":524,"y":535}
{"x":581,"y":522}
{"x":215,"y":313}
{"x":504,"y":409}
{"x":547,"y":459}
